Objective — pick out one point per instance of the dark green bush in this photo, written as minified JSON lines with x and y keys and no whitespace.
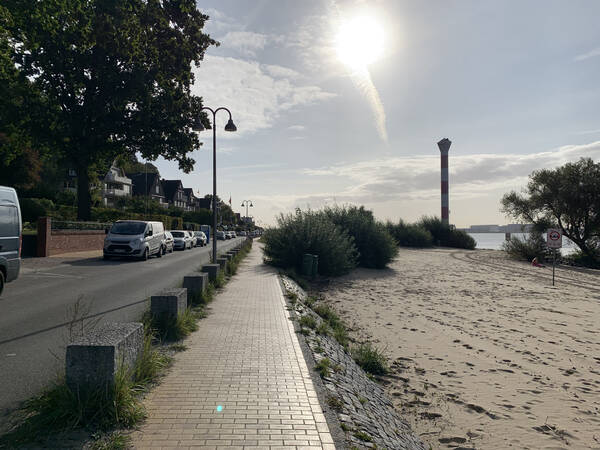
{"x":309,"y":232}
{"x":376,"y":247}
{"x":409,"y":235}
{"x":446,"y":236}
{"x":32,"y":208}
{"x":533,"y":246}
{"x":371,"y":359}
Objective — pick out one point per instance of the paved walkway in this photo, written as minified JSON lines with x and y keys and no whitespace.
{"x":243,"y":382}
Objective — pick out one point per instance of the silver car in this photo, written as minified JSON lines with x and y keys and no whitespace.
{"x":10,"y":236}
{"x":181,"y":240}
{"x":169,"y":242}
{"x":200,"y":238}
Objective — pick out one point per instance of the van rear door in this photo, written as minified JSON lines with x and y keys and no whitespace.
{"x":10,"y":239}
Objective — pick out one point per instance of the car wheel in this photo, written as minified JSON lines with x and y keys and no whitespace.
{"x":105,"y":257}
{"x":146,"y":255}
{"x":1,"y":282}
{"x":161,"y":251}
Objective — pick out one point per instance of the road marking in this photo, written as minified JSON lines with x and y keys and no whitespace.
{"x":8,"y":355}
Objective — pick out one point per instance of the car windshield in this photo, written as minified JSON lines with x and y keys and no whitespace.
{"x":179,"y":234}
{"x":129,"y":228}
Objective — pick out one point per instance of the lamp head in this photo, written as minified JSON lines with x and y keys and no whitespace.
{"x":198,"y":125}
{"x":230,"y":126}
{"x":251,"y":205}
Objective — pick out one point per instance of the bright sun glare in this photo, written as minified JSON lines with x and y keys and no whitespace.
{"x":359,"y":42}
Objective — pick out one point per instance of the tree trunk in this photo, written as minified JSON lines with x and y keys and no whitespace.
{"x":84,"y":198}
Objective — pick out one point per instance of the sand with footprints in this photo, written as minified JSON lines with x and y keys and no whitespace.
{"x":485,"y":352}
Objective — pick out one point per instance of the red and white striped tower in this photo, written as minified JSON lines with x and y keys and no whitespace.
{"x":444,"y":146}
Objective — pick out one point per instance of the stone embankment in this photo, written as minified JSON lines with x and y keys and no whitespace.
{"x":365,"y":413}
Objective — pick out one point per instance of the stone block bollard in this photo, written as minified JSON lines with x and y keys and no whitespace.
{"x":195,"y":283}
{"x":212,"y":270}
{"x":172,"y":302}
{"x":222,"y":262}
{"x":228,"y":256}
{"x":94,"y":359}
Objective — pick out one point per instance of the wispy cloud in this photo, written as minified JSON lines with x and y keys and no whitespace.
{"x":252,"y":91}
{"x":297,"y":128}
{"x":591,"y":54}
{"x":246,"y":43}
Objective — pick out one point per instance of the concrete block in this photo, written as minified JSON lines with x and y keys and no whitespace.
{"x":93,"y":359}
{"x":228,"y":256}
{"x":172,"y":302}
{"x":195,"y":283}
{"x":222,"y":261}
{"x":212,"y":270}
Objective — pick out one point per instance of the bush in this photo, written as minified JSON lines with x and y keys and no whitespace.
{"x":533,"y":246}
{"x":409,"y":235}
{"x":376,"y":247}
{"x":309,"y":232}
{"x":446,"y":236}
{"x":371,"y":359}
{"x":32,"y":208}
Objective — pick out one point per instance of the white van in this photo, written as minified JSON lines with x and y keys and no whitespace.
{"x":10,"y":236}
{"x":135,"y":238}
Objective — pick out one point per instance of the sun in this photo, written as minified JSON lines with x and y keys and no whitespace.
{"x":359,"y":41}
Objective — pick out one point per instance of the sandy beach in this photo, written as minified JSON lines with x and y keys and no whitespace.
{"x":485,"y":352}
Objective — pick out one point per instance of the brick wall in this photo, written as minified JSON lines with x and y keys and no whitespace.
{"x":67,"y":241}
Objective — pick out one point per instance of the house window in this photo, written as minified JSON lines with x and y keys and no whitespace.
{"x":157,"y":189}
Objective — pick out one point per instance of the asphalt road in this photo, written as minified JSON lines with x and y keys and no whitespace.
{"x":36,"y":309}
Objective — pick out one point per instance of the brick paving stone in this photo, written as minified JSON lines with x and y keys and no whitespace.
{"x":246,"y":358}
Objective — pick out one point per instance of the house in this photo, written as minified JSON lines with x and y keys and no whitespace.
{"x":149,"y":184}
{"x":115,"y":184}
{"x":205,"y":203}
{"x":191,"y":199}
{"x":174,"y":193}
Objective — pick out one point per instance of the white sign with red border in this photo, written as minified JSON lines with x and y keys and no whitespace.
{"x":554,"y":238}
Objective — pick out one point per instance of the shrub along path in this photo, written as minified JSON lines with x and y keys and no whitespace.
{"x":243,"y":382}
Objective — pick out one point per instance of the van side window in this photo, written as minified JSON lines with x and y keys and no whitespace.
{"x":9,"y":221}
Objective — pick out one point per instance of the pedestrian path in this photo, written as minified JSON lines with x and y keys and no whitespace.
{"x":243,"y":382}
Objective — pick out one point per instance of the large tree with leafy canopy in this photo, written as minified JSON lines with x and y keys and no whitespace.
{"x":117,"y":74}
{"x":567,"y":197}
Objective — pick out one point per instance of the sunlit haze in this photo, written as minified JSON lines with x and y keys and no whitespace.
{"x":359,"y":41}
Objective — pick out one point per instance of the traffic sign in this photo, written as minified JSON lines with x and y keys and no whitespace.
{"x":554,"y":239}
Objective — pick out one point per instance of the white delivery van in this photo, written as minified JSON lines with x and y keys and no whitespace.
{"x":135,"y":239}
{"x":10,"y":236}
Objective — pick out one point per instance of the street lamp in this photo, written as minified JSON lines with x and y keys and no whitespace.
{"x":229,"y":127}
{"x":247,"y":203}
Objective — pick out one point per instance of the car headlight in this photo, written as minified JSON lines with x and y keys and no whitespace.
{"x":136,"y":242}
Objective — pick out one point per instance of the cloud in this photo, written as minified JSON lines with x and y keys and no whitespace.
{"x":591,"y":54}
{"x":255,"y":96}
{"x":412,"y":178}
{"x":297,"y":128}
{"x":246,"y":43}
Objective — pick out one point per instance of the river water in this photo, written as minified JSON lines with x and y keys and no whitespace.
{"x":493,"y":241}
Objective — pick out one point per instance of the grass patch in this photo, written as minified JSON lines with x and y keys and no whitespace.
{"x":371,"y":359}
{"x":220,"y":280}
{"x":345,"y":427}
{"x":324,"y":367}
{"x":292,"y":274}
{"x":308,"y":321}
{"x":310,"y":301}
{"x":323,"y":329}
{"x":333,"y":322}
{"x":203,"y":298}
{"x":363,"y":436}
{"x":111,"y":441}
{"x":151,"y":363}
{"x":335,"y":403}
{"x":169,"y":328}
{"x":60,"y":410}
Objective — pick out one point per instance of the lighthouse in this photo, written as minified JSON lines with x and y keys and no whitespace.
{"x":444,"y":146}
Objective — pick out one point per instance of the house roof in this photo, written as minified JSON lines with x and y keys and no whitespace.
{"x":140,"y":186}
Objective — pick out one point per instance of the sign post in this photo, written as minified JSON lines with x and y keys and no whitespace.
{"x":554,"y":241}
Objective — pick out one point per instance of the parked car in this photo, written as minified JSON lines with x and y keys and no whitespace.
{"x":243,"y":233}
{"x":168,"y":242}
{"x":181,"y":240}
{"x":10,"y":236}
{"x":135,"y":238}
{"x":221,"y":236}
{"x":233,"y":235}
{"x":193,"y":238}
{"x":200,"y":238}
{"x":206,"y":230}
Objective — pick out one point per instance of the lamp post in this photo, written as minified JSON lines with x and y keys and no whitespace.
{"x":247,"y":203}
{"x":229,"y":127}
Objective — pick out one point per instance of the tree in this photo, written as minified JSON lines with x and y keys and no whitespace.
{"x":130,"y":164}
{"x":567,"y":197}
{"x":117,"y":74}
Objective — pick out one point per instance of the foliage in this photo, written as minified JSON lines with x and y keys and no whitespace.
{"x":444,"y":235}
{"x":567,"y":197}
{"x":334,"y":322}
{"x":32,"y":208}
{"x":152,"y":362}
{"x":534,"y":246}
{"x":409,"y":235}
{"x":371,"y":359}
{"x":130,"y":164}
{"x":116,"y":77}
{"x":169,"y":328}
{"x":309,"y":232}
{"x":376,"y":247}
{"x":308,"y":322}
{"x":323,"y":367}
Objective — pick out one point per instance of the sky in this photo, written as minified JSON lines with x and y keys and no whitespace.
{"x":343,"y":102}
